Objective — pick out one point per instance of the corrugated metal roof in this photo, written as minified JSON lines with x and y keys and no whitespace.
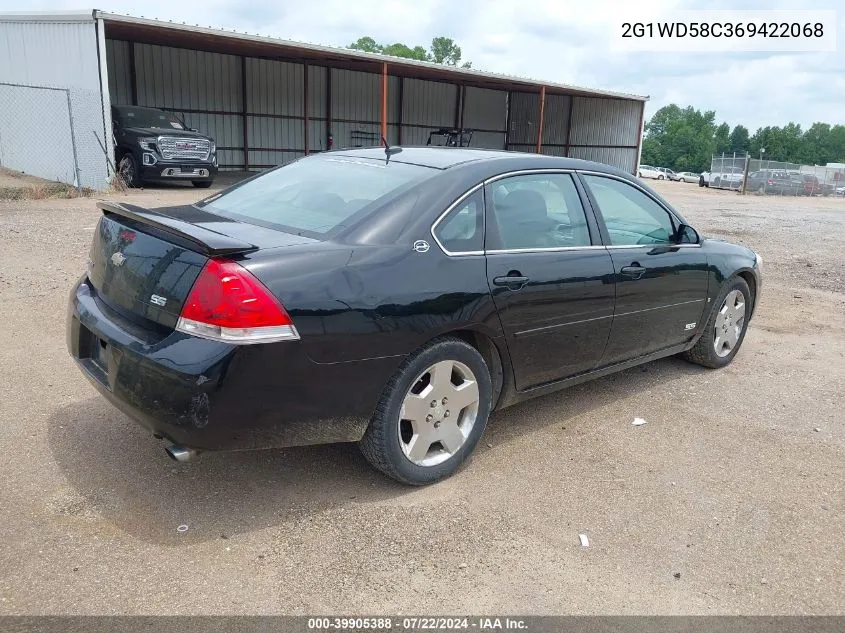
{"x":430,"y":70}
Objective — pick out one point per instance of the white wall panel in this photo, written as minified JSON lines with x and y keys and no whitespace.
{"x":58,"y":52}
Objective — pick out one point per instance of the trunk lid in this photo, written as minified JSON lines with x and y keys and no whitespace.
{"x":144,"y":262}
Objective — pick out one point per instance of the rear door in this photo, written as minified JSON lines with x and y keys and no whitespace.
{"x":550,"y":277}
{"x":661,"y":286}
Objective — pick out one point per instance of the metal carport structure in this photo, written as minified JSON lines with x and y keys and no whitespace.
{"x":267,"y":101}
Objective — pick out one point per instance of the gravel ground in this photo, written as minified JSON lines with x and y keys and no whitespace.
{"x":729,"y":500}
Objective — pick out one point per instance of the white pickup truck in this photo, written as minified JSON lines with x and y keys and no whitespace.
{"x":722,"y":178}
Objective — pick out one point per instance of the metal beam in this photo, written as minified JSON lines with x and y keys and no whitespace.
{"x":463,"y":105}
{"x":640,"y":140}
{"x":569,"y":127}
{"x":305,"y":107}
{"x":244,"y":116}
{"x":401,"y":105}
{"x":384,"y":101}
{"x":508,"y":121}
{"x":133,"y":76}
{"x":328,"y":106}
{"x":540,"y":121}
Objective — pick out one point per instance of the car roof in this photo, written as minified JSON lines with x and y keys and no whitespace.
{"x":448,"y":157}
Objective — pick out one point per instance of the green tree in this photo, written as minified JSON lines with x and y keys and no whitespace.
{"x":367,"y":45}
{"x":739,"y":139}
{"x":680,"y":138}
{"x":401,"y":50}
{"x":722,"y":138}
{"x":684,"y":138}
{"x":443,"y":50}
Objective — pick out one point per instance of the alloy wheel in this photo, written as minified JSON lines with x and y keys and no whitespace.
{"x":729,"y":323}
{"x":438,"y":413}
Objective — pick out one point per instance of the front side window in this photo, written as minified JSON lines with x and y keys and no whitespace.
{"x":316,"y":195}
{"x":462,"y":230}
{"x":631,"y":217}
{"x":536,"y":211}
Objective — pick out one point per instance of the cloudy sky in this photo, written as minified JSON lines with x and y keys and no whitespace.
{"x":564,"y":41}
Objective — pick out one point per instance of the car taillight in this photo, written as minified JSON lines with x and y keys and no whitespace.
{"x":227,"y":303}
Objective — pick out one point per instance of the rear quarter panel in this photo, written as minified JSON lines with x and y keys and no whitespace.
{"x":356,"y":302}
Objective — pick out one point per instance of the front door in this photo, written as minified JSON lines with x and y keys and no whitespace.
{"x":551,"y":280}
{"x":661,"y":286}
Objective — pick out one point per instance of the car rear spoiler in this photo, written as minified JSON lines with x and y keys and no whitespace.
{"x":200,"y":239}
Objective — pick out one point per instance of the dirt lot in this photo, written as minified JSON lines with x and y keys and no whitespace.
{"x":735,"y":482}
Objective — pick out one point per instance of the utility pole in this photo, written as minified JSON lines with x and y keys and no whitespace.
{"x":745,"y":173}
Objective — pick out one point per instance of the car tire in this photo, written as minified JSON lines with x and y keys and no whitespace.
{"x":390,"y":440}
{"x":201,"y":184}
{"x":761,"y":190}
{"x":128,"y":170}
{"x":660,"y":177}
{"x":639,"y":174}
{"x":712,"y":351}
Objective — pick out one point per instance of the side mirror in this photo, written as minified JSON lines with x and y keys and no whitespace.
{"x":687,"y":235}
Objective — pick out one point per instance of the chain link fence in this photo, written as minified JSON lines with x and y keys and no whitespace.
{"x":775,"y":178}
{"x":37,"y":132}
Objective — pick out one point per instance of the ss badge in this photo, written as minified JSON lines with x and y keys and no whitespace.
{"x":159,"y":301}
{"x":690,"y":326}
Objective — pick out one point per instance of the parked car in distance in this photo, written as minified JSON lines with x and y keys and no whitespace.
{"x":688,"y":176}
{"x":773,"y":182}
{"x":647,"y":171}
{"x":810,"y":185}
{"x":278,"y":312}
{"x":668,"y":174}
{"x":727,"y":177}
{"x":154,"y":145}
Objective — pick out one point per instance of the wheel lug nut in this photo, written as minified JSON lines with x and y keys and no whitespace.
{"x":429,"y":418}
{"x":446,"y":415}
{"x":445,"y":401}
{"x":433,"y":403}
{"x":437,"y":425}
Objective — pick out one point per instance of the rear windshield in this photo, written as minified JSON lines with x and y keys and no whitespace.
{"x":148,"y":117}
{"x":317,"y":195}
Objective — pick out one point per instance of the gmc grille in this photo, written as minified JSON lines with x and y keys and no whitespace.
{"x":183,"y":148}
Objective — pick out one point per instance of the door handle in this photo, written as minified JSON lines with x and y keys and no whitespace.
{"x":634,"y":272}
{"x":514,"y":282}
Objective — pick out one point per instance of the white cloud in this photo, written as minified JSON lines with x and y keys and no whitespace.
{"x":565,"y":42}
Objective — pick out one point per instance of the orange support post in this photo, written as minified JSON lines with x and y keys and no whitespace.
{"x":384,"y":101}
{"x":542,"y":115}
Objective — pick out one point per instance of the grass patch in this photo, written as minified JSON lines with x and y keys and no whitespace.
{"x":44,"y":192}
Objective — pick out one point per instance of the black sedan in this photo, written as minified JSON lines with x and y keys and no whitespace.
{"x":394,"y":298}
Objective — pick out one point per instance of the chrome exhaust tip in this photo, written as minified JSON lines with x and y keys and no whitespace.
{"x":180,"y":453}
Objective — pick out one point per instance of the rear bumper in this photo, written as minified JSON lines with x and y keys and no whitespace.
{"x":214,"y":396}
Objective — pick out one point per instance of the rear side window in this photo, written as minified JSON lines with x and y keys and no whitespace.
{"x":462,"y":230}
{"x":536,"y":211}
{"x":316,"y":195}
{"x":631,"y":217}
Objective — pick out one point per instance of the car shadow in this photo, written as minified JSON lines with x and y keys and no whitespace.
{"x":120,"y":474}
